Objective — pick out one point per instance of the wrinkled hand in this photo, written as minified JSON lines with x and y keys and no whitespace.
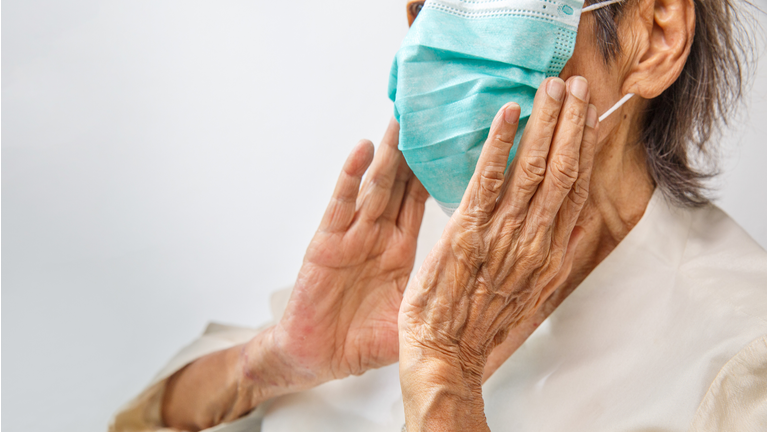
{"x":504,"y":251}
{"x":342,"y":315}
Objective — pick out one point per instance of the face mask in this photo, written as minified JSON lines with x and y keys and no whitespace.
{"x":461,"y":61}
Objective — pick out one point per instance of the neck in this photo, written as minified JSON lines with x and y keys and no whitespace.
{"x":620,"y":190}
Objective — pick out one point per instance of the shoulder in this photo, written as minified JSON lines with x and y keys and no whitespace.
{"x":736,"y":399}
{"x":724,"y":265}
{"x":716,"y":235}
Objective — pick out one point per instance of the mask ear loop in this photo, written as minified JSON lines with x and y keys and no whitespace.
{"x":600,"y":5}
{"x":623,"y":100}
{"x":616,"y":106}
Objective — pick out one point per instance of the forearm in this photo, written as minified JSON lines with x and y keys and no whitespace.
{"x":227,"y":384}
{"x":439,"y":394}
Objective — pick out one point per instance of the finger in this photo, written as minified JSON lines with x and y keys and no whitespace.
{"x":563,"y":161}
{"x":577,"y":197}
{"x":485,"y":186}
{"x":412,"y":211}
{"x":404,"y":174}
{"x":341,"y":209}
{"x":377,"y":186}
{"x":530,"y":163}
{"x":565,"y":268}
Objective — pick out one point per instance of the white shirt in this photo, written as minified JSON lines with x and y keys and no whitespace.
{"x":668,"y":333}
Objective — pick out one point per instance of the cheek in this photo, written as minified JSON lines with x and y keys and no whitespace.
{"x":587,"y":61}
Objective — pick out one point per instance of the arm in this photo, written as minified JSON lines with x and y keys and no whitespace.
{"x":503,"y":253}
{"x":224,"y":385}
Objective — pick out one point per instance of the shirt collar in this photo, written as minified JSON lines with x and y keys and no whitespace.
{"x":655,"y":244}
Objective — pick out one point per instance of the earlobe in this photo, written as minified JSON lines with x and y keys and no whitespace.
{"x":667,"y":35}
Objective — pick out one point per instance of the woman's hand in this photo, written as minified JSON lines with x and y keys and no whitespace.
{"x":342,"y":316}
{"x":504,"y":251}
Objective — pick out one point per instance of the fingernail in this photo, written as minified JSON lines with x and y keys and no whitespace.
{"x":579,"y":88}
{"x":591,"y":116}
{"x":556,"y":89}
{"x":512,"y":113}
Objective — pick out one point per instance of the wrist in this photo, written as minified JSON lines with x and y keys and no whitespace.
{"x":440,"y":392}
{"x":267,"y":372}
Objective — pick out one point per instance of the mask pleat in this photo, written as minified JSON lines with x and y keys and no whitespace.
{"x":459,"y":64}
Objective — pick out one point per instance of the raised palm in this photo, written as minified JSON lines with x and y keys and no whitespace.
{"x":342,"y":316}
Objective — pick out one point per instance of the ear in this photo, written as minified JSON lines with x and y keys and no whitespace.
{"x":662,"y":35}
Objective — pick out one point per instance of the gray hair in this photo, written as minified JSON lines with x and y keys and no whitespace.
{"x":679,"y":124}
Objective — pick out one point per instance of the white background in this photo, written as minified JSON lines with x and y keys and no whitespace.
{"x":166,"y":163}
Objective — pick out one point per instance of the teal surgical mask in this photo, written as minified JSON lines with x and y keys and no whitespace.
{"x":461,"y":61}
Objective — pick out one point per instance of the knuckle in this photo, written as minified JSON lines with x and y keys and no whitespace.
{"x":478,"y":211}
{"x":533,"y":169}
{"x":504,"y":140}
{"x":549,"y":115}
{"x":576,"y":115}
{"x":467,"y":246}
{"x":380,"y":183}
{"x":492,"y":173}
{"x":533,"y":260}
{"x":579,"y":193}
{"x":492,"y":178}
{"x":564,"y":170}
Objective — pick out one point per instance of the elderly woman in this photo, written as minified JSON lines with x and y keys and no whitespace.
{"x":585,"y":284}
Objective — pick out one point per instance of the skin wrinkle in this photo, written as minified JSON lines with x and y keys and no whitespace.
{"x":472,"y":354}
{"x":341,"y":318}
{"x":565,"y":171}
{"x":506,"y":304}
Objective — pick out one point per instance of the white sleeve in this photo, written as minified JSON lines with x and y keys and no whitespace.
{"x":736,"y":399}
{"x":143,"y":413}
